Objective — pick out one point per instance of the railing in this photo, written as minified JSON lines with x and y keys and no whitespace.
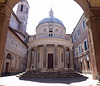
{"x":50,"y":35}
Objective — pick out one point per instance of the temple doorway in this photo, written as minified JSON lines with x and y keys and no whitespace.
{"x":50,"y":61}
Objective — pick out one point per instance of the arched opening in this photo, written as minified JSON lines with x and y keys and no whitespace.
{"x":85,"y":4}
{"x":8,"y":56}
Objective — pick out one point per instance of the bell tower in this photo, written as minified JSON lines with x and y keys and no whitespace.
{"x":22,"y":14}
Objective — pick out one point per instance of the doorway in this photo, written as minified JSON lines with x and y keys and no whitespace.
{"x":50,"y":61}
{"x":6,"y":69}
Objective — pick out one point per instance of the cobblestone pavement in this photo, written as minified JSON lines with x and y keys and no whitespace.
{"x":77,"y":81}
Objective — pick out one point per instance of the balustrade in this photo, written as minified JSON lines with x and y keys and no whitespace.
{"x":50,"y":35}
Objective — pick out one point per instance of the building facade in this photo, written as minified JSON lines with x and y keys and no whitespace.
{"x":50,"y":49}
{"x":15,"y":55}
{"x":82,"y":61}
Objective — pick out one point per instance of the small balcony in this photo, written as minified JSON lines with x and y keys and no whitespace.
{"x":50,"y":35}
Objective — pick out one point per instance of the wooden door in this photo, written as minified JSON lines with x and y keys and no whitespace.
{"x":50,"y":61}
{"x":6,"y":68}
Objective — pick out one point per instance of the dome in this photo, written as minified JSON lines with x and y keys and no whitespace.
{"x":51,"y":19}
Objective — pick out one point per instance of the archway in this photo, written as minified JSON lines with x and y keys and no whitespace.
{"x":92,"y":12}
{"x":5,"y":12}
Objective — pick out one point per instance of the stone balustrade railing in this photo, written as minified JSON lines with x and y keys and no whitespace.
{"x":50,"y":35}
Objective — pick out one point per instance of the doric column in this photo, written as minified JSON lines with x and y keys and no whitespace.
{"x":65,"y":66}
{"x":55,"y":57}
{"x":35,"y":59}
{"x":44,"y":58}
{"x":29,"y":59}
{"x":71,"y":58}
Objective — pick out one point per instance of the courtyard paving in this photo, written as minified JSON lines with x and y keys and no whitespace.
{"x":85,"y":80}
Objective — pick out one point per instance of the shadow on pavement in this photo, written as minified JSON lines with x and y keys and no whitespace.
{"x":56,"y":80}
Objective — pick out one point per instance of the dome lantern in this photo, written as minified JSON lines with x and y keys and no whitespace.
{"x":51,"y":13}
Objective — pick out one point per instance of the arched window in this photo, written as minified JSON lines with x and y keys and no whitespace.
{"x":50,"y":30}
{"x":8,"y":56}
{"x":84,"y":24}
{"x":21,"y":9}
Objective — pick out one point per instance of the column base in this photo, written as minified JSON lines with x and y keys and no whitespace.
{"x":71,"y":68}
{"x":34,"y":68}
{"x":65,"y":68}
{"x":44,"y":70}
{"x":27,"y":69}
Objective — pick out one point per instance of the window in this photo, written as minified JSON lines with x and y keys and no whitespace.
{"x":8,"y":56}
{"x":78,"y":32}
{"x":80,"y":49}
{"x":88,"y":65}
{"x":84,"y":24}
{"x":85,"y":45}
{"x":21,"y":8}
{"x":74,"y":37}
{"x":62,"y":58}
{"x":76,"y":52}
{"x":27,"y":10}
{"x":50,"y":35}
{"x":81,"y":66}
{"x":50,"y":30}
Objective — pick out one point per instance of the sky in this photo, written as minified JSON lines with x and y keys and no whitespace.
{"x":68,"y":11}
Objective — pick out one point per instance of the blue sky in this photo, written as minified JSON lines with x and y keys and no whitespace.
{"x":68,"y":11}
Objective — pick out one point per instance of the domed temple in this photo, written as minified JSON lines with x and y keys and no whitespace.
{"x":50,"y":50}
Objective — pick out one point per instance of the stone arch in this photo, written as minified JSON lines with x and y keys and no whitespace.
{"x":91,"y":10}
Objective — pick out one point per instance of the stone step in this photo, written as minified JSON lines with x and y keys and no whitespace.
{"x":37,"y":74}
